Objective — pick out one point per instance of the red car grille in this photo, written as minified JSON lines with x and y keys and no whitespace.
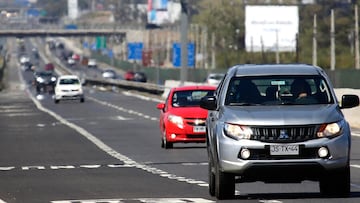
{"x":195,"y":121}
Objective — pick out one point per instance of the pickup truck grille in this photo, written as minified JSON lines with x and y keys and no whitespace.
{"x":284,"y":134}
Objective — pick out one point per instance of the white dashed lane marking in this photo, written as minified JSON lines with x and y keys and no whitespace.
{"x":101,"y":145}
{"x":139,"y":200}
{"x":129,"y":111}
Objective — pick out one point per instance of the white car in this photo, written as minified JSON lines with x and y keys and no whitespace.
{"x":24,"y":59}
{"x":92,"y":63}
{"x":71,"y":61}
{"x":109,"y":74}
{"x":68,"y":87}
{"x":214,"y":78}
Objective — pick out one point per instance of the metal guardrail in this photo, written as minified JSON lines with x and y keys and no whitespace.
{"x":138,"y":86}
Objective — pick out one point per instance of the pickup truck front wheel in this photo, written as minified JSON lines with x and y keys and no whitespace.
{"x":224,"y":184}
{"x":336,"y":183}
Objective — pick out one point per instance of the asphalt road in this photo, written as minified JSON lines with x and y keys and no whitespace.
{"x":72,"y":151}
{"x":108,"y":150}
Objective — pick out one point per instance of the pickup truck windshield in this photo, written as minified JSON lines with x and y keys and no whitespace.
{"x":278,"y":90}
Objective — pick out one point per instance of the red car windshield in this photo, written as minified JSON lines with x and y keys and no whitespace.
{"x":189,"y":98}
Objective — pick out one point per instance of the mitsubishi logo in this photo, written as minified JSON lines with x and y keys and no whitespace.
{"x":283,"y":135}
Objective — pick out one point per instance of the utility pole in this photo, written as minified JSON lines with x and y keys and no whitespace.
{"x":93,"y":5}
{"x":204,"y":48}
{"x":332,"y":37}
{"x":184,"y":42}
{"x":357,"y":65}
{"x":213,"y":52}
{"x":314,"y":41}
{"x":277,"y":48}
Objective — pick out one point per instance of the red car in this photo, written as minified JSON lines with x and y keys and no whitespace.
{"x":129,"y":75}
{"x":181,"y":118}
{"x":49,"y":67}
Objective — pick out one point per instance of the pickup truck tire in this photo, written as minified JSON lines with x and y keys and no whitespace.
{"x":336,"y":183}
{"x":224,"y":184}
{"x":211,"y":178}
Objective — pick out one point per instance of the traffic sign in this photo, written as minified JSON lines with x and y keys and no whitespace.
{"x":100,"y":42}
{"x":135,"y":50}
{"x":110,"y":53}
{"x":177,"y":54}
{"x":85,"y":45}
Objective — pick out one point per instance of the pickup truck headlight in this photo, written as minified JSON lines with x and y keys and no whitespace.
{"x":177,"y":120}
{"x":330,"y":129}
{"x":237,"y":131}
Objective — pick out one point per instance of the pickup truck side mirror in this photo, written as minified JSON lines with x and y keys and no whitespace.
{"x":349,"y":101}
{"x":208,"y":102}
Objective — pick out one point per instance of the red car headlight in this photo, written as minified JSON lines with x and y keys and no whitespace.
{"x":177,"y":120}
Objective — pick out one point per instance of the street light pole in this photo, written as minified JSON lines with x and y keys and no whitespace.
{"x":184,"y":42}
{"x":315,"y":41}
{"x":332,"y":36}
{"x":357,"y":65}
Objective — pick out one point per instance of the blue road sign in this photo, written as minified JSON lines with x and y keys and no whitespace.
{"x":135,"y":50}
{"x":85,"y":45}
{"x":177,"y":54}
{"x":93,"y":46}
{"x":110,"y":53}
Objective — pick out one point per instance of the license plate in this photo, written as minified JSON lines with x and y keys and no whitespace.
{"x":199,"y":129}
{"x":284,"y":149}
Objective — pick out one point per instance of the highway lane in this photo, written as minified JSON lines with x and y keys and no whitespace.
{"x":128,"y":125}
{"x":44,"y":158}
{"x":191,"y":160}
{"x":184,"y":160}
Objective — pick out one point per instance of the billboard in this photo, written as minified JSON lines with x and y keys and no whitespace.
{"x":158,"y":5}
{"x":73,"y":11}
{"x":158,"y":12}
{"x":275,"y":29}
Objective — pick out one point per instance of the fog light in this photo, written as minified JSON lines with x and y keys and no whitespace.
{"x":173,"y":136}
{"x":323,"y":152}
{"x":245,"y":153}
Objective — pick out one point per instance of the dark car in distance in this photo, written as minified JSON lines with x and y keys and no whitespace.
{"x":136,"y":76}
{"x":44,"y":81}
{"x":140,"y":77}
